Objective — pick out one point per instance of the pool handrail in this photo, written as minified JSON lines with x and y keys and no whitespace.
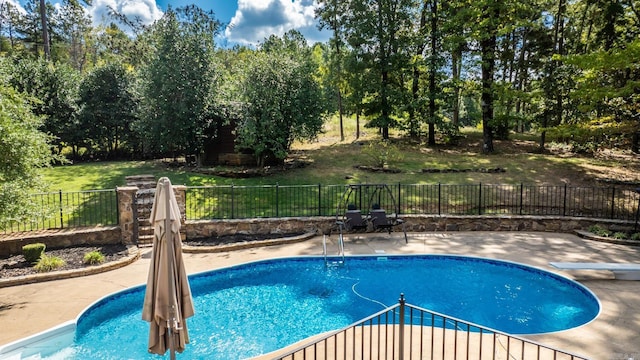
{"x":398,"y":342}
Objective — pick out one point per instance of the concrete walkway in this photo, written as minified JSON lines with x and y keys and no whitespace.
{"x":615,"y":334}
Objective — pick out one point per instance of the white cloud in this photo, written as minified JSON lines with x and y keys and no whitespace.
{"x":145,"y":10}
{"x":15,"y":3}
{"x":256,"y":20}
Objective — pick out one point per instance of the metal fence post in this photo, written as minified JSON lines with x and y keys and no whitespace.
{"x":635,"y":227}
{"x":480,"y":199}
{"x":401,"y":329}
{"x":277,"y":200}
{"x":564,"y":201}
{"x":61,"y":210}
{"x":439,"y":199}
{"x":613,"y":201}
{"x":319,"y":199}
{"x":399,"y":200}
{"x":232,"y":202}
{"x":521,"y":197}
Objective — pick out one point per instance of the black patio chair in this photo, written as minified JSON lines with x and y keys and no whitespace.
{"x":353,"y":219}
{"x":380,"y":221}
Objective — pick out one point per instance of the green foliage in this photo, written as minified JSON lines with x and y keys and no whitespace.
{"x":450,"y":133}
{"x":382,"y":153}
{"x":589,"y":136}
{"x":107,"y":110}
{"x":55,"y":86}
{"x":48,"y":263}
{"x":283,"y":102}
{"x":93,"y":258}
{"x":24,"y":150}
{"x":178,"y":83}
{"x":33,"y":252}
{"x":599,"y":230}
{"x":635,"y":236}
{"x":620,"y":235}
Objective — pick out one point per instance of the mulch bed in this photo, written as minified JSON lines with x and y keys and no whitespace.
{"x":234,"y":239}
{"x":16,"y":265}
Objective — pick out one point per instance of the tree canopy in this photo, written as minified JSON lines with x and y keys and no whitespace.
{"x":567,"y":70}
{"x":24,"y":150}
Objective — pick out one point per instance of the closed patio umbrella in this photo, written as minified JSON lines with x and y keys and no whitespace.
{"x":167,"y":300}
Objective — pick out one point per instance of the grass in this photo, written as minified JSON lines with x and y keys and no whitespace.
{"x":332,"y":161}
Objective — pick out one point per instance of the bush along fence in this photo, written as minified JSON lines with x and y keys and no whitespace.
{"x":62,"y":210}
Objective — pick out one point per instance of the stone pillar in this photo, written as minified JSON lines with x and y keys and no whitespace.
{"x":127,"y":214}
{"x":181,"y":197}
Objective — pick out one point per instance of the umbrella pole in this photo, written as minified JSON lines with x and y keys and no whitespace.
{"x":171,"y":261}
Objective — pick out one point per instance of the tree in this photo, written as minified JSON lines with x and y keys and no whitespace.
{"x":607,"y":93}
{"x":283,"y":101}
{"x":9,"y":21}
{"x":107,"y":108}
{"x":330,"y":14}
{"x":56,"y":88}
{"x":35,"y":27}
{"x":379,"y":34}
{"x":23,"y":151}
{"x":178,"y":81}
{"x":74,"y":26}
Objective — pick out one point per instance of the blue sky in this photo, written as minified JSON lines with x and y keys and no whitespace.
{"x":252,"y":20}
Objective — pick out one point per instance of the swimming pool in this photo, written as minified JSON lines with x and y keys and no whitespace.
{"x":255,"y":308}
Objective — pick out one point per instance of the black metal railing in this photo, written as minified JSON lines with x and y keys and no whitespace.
{"x":59,"y":210}
{"x":407,"y":332}
{"x":237,"y":202}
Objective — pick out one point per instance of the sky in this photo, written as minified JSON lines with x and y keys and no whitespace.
{"x":252,"y":20}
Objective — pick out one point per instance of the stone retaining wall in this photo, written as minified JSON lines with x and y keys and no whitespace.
{"x":12,"y":243}
{"x":413,"y":223}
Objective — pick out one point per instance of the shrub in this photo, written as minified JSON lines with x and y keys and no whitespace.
{"x":93,"y":258}
{"x":33,"y":252}
{"x":635,"y":236}
{"x":49,"y":263}
{"x":620,"y":235}
{"x":382,"y":153}
{"x":599,"y":230}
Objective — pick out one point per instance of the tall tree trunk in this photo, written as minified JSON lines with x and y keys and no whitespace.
{"x":432,"y":73}
{"x":384,"y":100}
{"x":488,"y":58}
{"x":488,"y":47}
{"x":336,"y":35}
{"x":357,"y":124}
{"x":414,"y":122}
{"x":340,"y":111}
{"x":520,"y":74}
{"x":385,"y":105}
{"x":456,"y":69}
{"x":45,"y":29}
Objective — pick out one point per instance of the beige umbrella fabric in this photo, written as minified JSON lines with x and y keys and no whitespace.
{"x":167,"y":300}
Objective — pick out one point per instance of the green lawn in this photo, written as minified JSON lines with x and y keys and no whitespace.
{"x":332,"y":161}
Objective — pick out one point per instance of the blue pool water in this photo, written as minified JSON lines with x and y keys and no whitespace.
{"x":255,"y":308}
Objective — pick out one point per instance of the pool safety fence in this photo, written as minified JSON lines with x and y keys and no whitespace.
{"x":60,"y":210}
{"x":238,"y":202}
{"x":407,"y":332}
